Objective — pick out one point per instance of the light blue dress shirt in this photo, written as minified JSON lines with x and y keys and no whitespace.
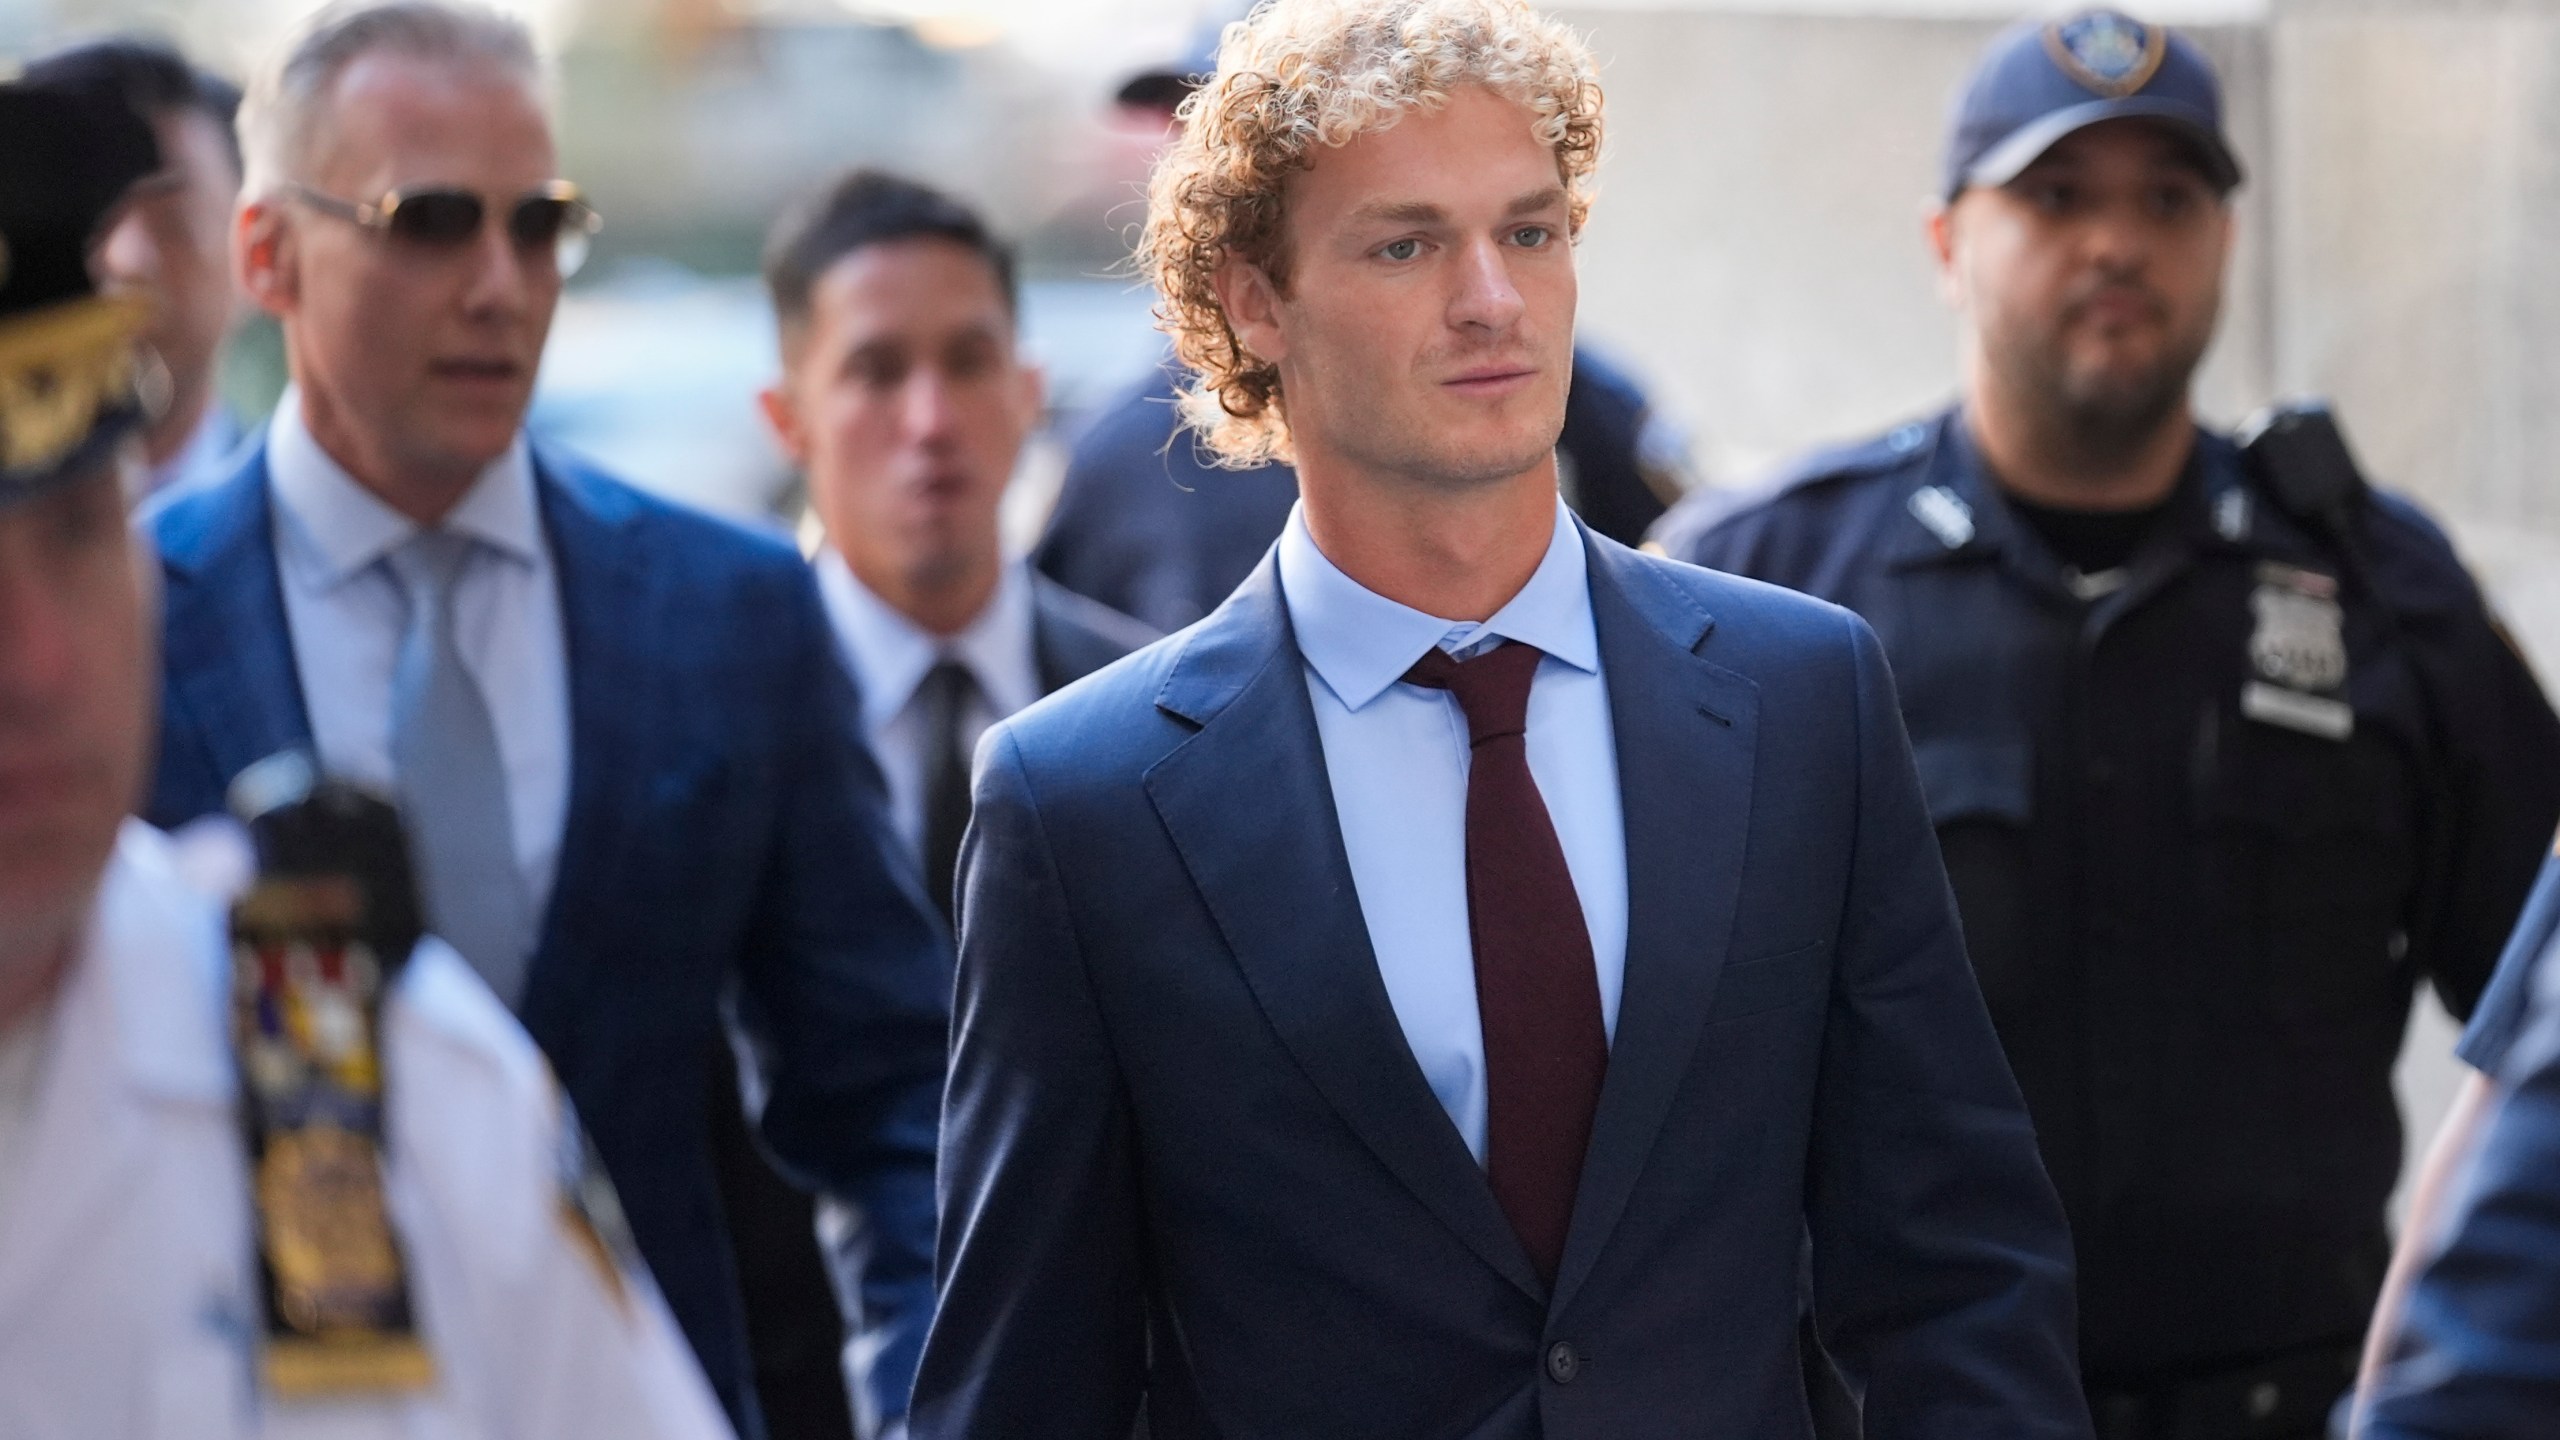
{"x":346,"y":614}
{"x":1397,"y":756}
{"x":890,"y":655}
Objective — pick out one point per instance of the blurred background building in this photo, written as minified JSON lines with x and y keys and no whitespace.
{"x":1756,"y":256}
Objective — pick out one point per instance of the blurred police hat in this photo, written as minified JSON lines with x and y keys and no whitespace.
{"x":1166,"y":86}
{"x":67,"y":355}
{"x":2042,"y":81}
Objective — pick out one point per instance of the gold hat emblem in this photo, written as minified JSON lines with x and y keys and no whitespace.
{"x":2108,"y":53}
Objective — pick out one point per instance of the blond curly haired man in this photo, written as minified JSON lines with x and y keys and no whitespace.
{"x":1443,"y":992}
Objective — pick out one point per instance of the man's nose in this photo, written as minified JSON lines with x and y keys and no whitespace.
{"x":1486,"y":297}
{"x":931,"y":415}
{"x":502,"y":273}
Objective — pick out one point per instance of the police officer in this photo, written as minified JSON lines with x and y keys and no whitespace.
{"x":407,"y":1254}
{"x":2223,"y":750}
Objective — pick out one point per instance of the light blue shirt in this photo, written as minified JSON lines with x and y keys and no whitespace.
{"x":1397,"y":755}
{"x":890,"y":655}
{"x":346,"y":614}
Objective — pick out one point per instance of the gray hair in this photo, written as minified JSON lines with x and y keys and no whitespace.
{"x":288,"y":102}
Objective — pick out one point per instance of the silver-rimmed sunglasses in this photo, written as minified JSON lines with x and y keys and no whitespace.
{"x":551,"y":217}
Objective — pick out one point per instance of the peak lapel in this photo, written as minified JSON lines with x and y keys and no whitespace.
{"x":1686,"y":732}
{"x":1250,"y":810}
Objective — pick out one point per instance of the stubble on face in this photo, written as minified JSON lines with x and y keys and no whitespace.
{"x":1428,"y":316}
{"x":2095,"y":283}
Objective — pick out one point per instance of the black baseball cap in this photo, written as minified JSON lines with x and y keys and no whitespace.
{"x":2042,"y":81}
{"x":67,"y":353}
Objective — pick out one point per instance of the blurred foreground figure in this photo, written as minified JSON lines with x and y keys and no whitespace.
{"x":2222,"y":749}
{"x":2474,"y":1353}
{"x":172,"y":243}
{"x":1149,"y":523}
{"x":417,"y":1251}
{"x":618,"y":729}
{"x":1439,"y":993}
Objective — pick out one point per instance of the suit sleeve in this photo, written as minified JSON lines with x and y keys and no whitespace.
{"x":1942,"y":1266}
{"x":2479,"y":1354}
{"x":1042,"y":1329}
{"x":847,"y":992}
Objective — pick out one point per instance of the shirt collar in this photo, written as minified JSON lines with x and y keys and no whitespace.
{"x":1360,"y":642}
{"x":349,"y":527}
{"x":890,"y":654}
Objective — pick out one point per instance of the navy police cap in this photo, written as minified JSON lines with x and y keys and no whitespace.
{"x":2042,"y":81}
{"x":67,"y":354}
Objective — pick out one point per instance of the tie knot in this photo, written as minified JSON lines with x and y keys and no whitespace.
{"x":428,"y":563}
{"x":1492,"y":688}
{"x":949,"y":683}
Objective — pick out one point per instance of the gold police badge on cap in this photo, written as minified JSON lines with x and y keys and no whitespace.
{"x":2109,"y":53}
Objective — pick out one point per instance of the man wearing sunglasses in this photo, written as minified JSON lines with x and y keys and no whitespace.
{"x":628,"y":755}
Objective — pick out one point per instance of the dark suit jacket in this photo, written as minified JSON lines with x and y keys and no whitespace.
{"x":1188,"y":1152}
{"x":725,"y":826}
{"x":2479,"y":1354}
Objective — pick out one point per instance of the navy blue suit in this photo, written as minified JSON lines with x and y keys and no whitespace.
{"x":2479,"y":1355}
{"x":1188,"y":1153}
{"x":725,"y":827}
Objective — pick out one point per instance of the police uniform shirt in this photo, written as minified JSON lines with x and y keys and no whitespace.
{"x":2208,"y":817}
{"x":128,"y":1300}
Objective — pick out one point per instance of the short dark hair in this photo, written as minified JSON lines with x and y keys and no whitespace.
{"x":864,"y":208}
{"x":147,"y":74}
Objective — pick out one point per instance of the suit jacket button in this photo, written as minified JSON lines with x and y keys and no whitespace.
{"x":1563,"y":1362}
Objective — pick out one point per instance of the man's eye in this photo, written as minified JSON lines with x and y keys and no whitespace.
{"x":2171,"y":201}
{"x":2053,"y":199}
{"x":1530,"y":237}
{"x":1401,"y":250}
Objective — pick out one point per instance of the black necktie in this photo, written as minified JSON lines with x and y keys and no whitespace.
{"x":947,"y":692}
{"x":1546,"y":1048}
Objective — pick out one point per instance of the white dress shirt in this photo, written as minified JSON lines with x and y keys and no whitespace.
{"x":890,"y":655}
{"x":346,"y":614}
{"x":1397,"y":756}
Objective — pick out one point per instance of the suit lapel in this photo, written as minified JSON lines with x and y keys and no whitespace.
{"x":1686,"y":734}
{"x":1274,"y":875}
{"x":606,"y":622}
{"x":230,"y":650}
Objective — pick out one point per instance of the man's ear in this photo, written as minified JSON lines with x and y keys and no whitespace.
{"x":1941,"y":229}
{"x":1252,"y":305}
{"x":782,"y":417}
{"x":264,"y":257}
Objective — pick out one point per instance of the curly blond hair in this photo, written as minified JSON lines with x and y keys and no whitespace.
{"x":1298,"y":74}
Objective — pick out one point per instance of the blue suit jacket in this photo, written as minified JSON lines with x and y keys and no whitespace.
{"x":2479,"y":1354}
{"x":1189,"y":1153}
{"x":725,"y":825}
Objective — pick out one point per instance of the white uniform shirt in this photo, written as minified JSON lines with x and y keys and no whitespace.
{"x":346,"y":614}
{"x":890,"y":655}
{"x":128,"y":1309}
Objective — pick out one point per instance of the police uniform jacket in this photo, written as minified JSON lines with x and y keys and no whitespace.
{"x":2197,"y":922}
{"x":128,"y":1301}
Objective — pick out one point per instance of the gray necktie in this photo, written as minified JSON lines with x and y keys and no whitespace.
{"x":453,"y":782}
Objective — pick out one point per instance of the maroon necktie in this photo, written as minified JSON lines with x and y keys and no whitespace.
{"x":1545,"y":1049}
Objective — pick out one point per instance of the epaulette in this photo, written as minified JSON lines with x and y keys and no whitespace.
{"x":1905,"y":444}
